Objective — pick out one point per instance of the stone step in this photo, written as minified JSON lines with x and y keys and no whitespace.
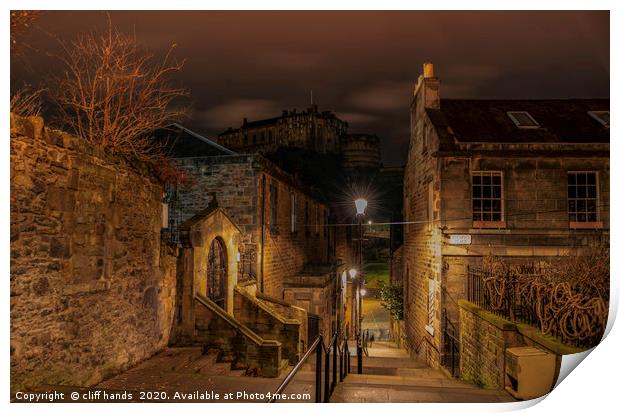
{"x":364,"y":393}
{"x":431,"y":380}
{"x":202,"y":364}
{"x":172,"y":358}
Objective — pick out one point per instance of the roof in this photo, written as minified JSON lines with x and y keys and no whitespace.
{"x":182,"y":142}
{"x":486,"y":121}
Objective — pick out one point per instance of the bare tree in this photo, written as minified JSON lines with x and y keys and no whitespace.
{"x":27,"y":101}
{"x":21,"y":21}
{"x":114,"y":94}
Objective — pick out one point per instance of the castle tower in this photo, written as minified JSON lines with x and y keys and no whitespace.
{"x":361,"y":152}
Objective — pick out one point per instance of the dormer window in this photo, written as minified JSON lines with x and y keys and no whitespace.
{"x":601,"y":116}
{"x":523,"y":120}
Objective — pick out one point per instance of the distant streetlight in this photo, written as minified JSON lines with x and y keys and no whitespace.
{"x":363,"y":292}
{"x":369,"y":222}
{"x":360,"y":205}
{"x":353,"y":272}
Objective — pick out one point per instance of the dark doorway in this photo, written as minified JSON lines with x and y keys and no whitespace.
{"x":313,"y":327}
{"x":217,"y":273}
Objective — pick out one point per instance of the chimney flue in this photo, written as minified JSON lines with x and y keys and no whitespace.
{"x":429,"y":70}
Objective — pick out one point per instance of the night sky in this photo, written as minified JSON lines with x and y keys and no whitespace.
{"x":362,"y":65}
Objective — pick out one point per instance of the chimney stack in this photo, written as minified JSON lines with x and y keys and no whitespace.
{"x":426,"y":91}
{"x":429,"y":70}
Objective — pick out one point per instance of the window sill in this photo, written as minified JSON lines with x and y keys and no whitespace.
{"x":489,"y":224}
{"x":585,"y":225}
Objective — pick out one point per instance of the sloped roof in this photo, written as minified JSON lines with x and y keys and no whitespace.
{"x":182,"y":142}
{"x":486,"y":121}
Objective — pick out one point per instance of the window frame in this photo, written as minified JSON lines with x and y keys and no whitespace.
{"x":518,"y":124}
{"x":482,"y":223}
{"x":597,"y":224}
{"x":293,"y":212}
{"x":431,"y":305}
{"x":595,"y":114}
{"x":317,"y":217}
{"x":273,"y":206}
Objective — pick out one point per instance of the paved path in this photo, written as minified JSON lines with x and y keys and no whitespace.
{"x":376,"y":318}
{"x":184,"y":374}
{"x":391,"y":376}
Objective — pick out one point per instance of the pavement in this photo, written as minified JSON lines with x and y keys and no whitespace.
{"x":376,"y":318}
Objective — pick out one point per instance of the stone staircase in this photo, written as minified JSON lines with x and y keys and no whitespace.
{"x":390,"y":376}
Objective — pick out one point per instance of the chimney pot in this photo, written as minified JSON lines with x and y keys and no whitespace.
{"x":429,"y":70}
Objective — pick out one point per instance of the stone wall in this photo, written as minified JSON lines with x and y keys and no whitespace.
{"x":421,"y":238}
{"x":269,"y":324}
{"x":484,"y":338}
{"x":92,"y":292}
{"x":396,"y":267}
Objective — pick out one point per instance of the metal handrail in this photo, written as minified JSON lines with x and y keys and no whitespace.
{"x":318,"y":341}
{"x":326,"y":374}
{"x":327,"y":349}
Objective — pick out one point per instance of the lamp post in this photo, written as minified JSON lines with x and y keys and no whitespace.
{"x":360,"y":206}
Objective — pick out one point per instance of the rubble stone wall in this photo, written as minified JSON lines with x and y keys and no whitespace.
{"x":92,"y":293}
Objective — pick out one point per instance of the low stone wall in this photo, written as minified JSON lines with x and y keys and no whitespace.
{"x":484,"y":338}
{"x":216,"y":329}
{"x":268,"y":324}
{"x":91,"y":290}
{"x":292,"y":312}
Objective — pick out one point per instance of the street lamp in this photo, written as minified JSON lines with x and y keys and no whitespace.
{"x":360,"y":206}
{"x":353,"y":273}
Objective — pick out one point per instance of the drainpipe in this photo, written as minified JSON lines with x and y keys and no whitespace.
{"x":262,"y":237}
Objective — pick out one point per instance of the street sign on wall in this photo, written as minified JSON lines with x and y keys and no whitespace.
{"x":459,"y":239}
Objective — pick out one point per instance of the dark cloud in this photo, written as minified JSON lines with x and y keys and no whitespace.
{"x":360,"y":64}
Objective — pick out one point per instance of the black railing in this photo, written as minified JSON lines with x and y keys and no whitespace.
{"x":450,"y":354}
{"x":500,"y":296}
{"x":521,"y":294}
{"x":327,"y":372}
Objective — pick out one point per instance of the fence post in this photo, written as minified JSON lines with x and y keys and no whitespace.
{"x":317,"y":390}
{"x":326,"y":384}
{"x":359,"y":355}
{"x":342,"y":353}
{"x":335,"y":362}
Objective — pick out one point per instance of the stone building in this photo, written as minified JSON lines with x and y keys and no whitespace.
{"x":527,"y":180}
{"x":286,"y":251}
{"x":310,"y":129}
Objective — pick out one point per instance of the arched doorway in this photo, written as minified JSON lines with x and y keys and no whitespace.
{"x":217,"y":272}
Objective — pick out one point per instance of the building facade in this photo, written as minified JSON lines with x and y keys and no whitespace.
{"x":310,"y":129}
{"x":527,"y":180}
{"x":283,"y":228}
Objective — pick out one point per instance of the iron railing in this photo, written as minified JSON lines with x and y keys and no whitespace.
{"x":499,"y":296}
{"x":450,"y":354}
{"x":328,"y":372}
{"x":520,"y":294}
